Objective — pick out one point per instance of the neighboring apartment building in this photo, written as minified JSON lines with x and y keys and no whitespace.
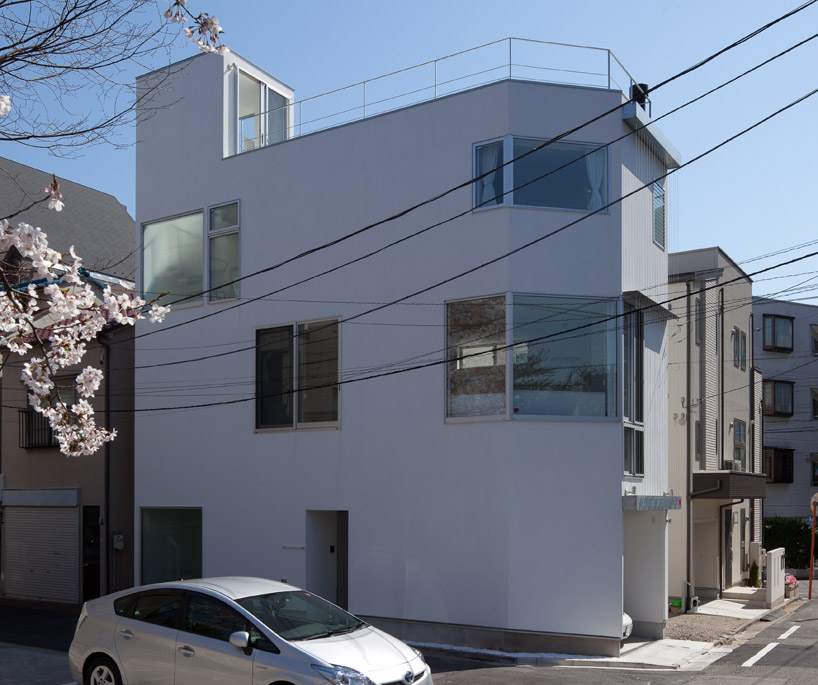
{"x":66,"y":522}
{"x":512,"y":495}
{"x":786,"y":349}
{"x":715,"y":425}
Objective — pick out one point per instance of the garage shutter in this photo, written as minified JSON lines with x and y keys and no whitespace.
{"x":41,"y":551}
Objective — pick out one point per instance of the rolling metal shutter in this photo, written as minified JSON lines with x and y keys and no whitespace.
{"x":41,"y":553}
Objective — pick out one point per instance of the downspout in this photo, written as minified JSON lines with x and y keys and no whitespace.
{"x":751,"y":368}
{"x":720,"y":364}
{"x":721,"y":542}
{"x":689,"y":473}
{"x":108,"y":528}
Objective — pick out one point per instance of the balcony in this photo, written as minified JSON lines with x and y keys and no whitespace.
{"x":503,"y":60}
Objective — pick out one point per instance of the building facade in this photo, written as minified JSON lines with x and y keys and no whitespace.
{"x":482,"y":462}
{"x":786,"y":348}
{"x":715,"y":426}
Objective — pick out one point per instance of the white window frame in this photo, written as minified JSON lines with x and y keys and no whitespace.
{"x":262,"y":105}
{"x":209,"y":235}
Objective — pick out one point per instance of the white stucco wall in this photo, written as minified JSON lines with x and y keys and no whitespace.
{"x":508,"y":524}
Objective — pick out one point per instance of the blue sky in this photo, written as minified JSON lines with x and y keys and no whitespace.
{"x":752,"y":197}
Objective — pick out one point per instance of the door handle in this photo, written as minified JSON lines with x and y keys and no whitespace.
{"x":126,"y":634}
{"x":187,"y":651}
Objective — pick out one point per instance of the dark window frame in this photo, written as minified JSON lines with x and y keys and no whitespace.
{"x":774,"y":411}
{"x":777,"y":464}
{"x":634,"y":452}
{"x":774,"y":346}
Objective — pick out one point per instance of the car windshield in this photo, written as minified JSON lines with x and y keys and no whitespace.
{"x":299,"y":615}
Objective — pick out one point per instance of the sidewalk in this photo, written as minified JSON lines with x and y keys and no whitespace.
{"x":665,"y":654}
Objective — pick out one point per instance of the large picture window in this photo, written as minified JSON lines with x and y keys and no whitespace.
{"x":564,"y":356}
{"x":558,"y":176}
{"x":296,"y":382}
{"x":476,"y":370}
{"x":173,"y":258}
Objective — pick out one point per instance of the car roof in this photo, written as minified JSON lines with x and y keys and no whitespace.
{"x":233,"y":587}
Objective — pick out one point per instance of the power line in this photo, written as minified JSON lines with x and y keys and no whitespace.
{"x":472,"y":180}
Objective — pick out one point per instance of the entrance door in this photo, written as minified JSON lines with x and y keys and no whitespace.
{"x":328,"y":555}
{"x":728,"y":549}
{"x":90,"y":553}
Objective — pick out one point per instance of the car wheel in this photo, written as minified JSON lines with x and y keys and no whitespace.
{"x":102,"y":671}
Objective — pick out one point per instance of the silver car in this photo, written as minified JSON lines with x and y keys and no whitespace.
{"x":233,"y":630}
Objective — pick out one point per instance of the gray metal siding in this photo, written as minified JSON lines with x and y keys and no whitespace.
{"x":41,"y":553}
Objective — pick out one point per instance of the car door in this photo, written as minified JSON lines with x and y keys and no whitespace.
{"x":146,"y":637}
{"x":204,"y":656}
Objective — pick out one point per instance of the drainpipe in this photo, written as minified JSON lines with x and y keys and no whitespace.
{"x":721,"y":542}
{"x":108,"y":552}
{"x":689,"y":473}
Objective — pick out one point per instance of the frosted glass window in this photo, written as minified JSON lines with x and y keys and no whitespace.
{"x":476,"y":371}
{"x":559,"y":371}
{"x":224,"y":266}
{"x":581,"y":184}
{"x":659,"y":231}
{"x":225,"y":216}
{"x":173,"y":259}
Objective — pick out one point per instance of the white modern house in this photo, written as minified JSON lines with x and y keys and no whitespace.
{"x":481,"y":463}
{"x":787,"y":350}
{"x":715,"y":427}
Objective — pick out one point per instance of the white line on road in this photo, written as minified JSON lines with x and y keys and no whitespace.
{"x":786,"y":634}
{"x":766,"y":650}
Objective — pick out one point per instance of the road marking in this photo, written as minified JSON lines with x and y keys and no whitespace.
{"x":766,"y":650}
{"x":786,"y":634}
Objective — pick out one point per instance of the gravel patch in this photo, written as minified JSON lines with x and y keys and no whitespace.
{"x":700,"y":627}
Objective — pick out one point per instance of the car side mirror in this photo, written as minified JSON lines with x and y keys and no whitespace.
{"x":240,"y":639}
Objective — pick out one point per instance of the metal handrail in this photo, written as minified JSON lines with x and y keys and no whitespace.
{"x":436,"y":88}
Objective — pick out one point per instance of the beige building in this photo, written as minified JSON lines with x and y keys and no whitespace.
{"x":714,"y":427}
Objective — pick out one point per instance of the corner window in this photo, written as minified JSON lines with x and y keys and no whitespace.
{"x":577,"y":175}
{"x":739,"y":445}
{"x":297,"y":384}
{"x":173,"y":258}
{"x":778,"y":333}
{"x":777,"y":465}
{"x":171,"y":544}
{"x":778,"y":398}
{"x":223,"y":253}
{"x":632,"y":370}
{"x":488,"y":191}
{"x":559,"y":176}
{"x":659,"y":217}
{"x":476,"y":370}
{"x":559,"y":373}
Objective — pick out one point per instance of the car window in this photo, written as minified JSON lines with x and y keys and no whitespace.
{"x":212,"y":618}
{"x":122,"y":605}
{"x":260,"y":641}
{"x":160,"y":608}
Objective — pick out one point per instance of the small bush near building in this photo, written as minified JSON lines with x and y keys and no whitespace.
{"x":793,"y":535}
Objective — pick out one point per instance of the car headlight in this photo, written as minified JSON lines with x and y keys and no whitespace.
{"x":418,"y":654}
{"x":341,"y":675}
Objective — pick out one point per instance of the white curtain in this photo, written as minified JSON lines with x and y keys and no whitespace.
{"x":489,"y":159}
{"x":595,"y":166}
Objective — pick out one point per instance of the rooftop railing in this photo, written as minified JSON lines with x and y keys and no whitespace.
{"x":510,"y":58}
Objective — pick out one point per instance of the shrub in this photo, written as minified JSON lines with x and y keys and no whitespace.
{"x":793,"y":535}
{"x":754,"y":575}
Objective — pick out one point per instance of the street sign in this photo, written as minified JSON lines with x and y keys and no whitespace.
{"x":809,"y":520}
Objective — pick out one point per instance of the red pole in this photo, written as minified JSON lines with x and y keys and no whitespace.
{"x":812,"y":551}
